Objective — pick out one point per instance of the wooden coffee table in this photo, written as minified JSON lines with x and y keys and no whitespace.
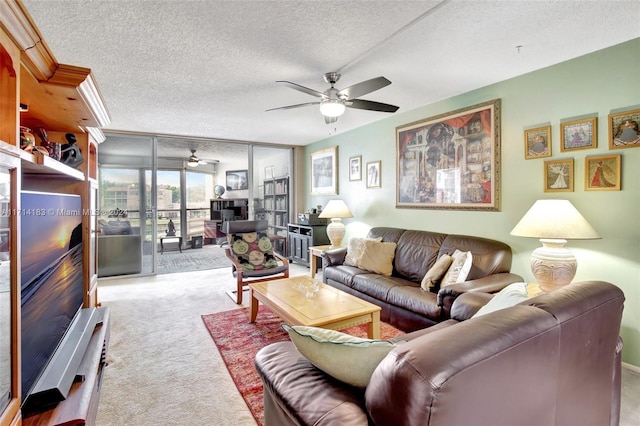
{"x":328,"y":308}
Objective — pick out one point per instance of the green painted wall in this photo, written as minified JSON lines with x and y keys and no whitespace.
{"x":600,"y":83}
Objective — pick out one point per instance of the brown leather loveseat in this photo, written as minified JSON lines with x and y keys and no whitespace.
{"x":553,"y":359}
{"x":404,"y":303}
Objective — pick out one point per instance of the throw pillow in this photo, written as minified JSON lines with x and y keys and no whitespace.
{"x":459,"y":269}
{"x":378,"y":257}
{"x":505,"y":298}
{"x":355,"y":250}
{"x":344,"y":357}
{"x":436,"y":272}
{"x":253,"y":250}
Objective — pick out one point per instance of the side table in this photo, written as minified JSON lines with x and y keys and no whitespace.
{"x":176,"y":237}
{"x":316,"y":252}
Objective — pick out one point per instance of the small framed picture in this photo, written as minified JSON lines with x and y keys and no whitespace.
{"x":355,"y":168}
{"x":579,"y":134}
{"x":374,"y":174}
{"x":558,"y":175}
{"x":537,"y":142}
{"x":624,"y":130}
{"x":602,"y":173}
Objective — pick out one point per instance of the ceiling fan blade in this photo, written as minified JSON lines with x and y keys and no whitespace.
{"x":364,"y":87}
{"x":371,"y":105}
{"x":302,"y":89}
{"x":295,"y":106}
{"x":330,"y":120}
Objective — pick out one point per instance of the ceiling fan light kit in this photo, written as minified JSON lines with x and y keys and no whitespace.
{"x":332,"y":108}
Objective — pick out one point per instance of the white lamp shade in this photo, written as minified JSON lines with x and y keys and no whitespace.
{"x":555,"y":219}
{"x":332,"y":108}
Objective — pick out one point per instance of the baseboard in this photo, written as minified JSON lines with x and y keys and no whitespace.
{"x":631,"y":367}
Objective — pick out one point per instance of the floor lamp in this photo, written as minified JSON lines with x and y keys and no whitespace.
{"x":336,"y":210}
{"x":554,"y":222}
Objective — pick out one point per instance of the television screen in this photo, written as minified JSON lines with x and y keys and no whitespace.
{"x":52,"y":276}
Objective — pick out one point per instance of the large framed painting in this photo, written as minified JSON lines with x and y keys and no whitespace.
{"x":451,"y":161}
{"x":324,"y":171}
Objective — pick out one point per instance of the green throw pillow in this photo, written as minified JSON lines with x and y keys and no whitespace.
{"x":347,"y":358}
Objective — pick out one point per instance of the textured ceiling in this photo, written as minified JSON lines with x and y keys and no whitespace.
{"x":208,"y":68}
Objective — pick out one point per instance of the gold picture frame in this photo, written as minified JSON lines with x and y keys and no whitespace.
{"x":579,"y":134}
{"x":603,"y":173}
{"x":624,"y":130}
{"x":324,"y":171}
{"x":451,"y":161}
{"x":558,"y":175}
{"x":374,"y":174}
{"x":537,"y":142}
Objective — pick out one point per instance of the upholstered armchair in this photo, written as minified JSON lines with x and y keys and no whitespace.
{"x":250,"y":249}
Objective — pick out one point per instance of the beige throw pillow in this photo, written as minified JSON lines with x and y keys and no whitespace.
{"x":346,"y":358}
{"x":436,"y":272}
{"x":355,"y":250}
{"x":459,"y":269}
{"x":378,"y":257}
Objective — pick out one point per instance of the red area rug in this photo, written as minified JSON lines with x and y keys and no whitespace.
{"x":238,"y":342}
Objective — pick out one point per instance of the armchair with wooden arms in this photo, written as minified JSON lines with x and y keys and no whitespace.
{"x":250,"y":250}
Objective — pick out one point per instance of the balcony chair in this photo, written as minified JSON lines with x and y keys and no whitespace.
{"x":250,"y":250}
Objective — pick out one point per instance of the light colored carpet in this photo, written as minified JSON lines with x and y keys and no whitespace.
{"x":164,"y":368}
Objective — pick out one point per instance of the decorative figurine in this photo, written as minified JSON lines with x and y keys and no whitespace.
{"x":70,"y":153}
{"x":171,"y":229}
{"x":52,"y":148}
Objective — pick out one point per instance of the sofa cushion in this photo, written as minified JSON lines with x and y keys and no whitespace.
{"x":436,"y":272}
{"x":377,"y":257}
{"x":347,"y":358}
{"x":509,"y":296}
{"x":417,"y":251}
{"x":459,"y":269}
{"x":355,"y":250}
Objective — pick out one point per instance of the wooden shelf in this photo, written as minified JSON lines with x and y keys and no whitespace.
{"x":41,"y":164}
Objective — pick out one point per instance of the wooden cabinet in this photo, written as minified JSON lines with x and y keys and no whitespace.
{"x":301,"y":237}
{"x":38,"y":92}
{"x":276,"y":204}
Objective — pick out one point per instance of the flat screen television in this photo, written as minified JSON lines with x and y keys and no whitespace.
{"x":52,"y":277}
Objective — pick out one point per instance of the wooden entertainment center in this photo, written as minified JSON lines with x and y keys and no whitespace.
{"x":39,"y":93}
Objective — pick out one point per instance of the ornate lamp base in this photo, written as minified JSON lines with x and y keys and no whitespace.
{"x":335,"y":232}
{"x":553,"y":265}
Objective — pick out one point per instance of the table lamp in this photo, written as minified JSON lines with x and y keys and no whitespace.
{"x":335,"y":210}
{"x":554,"y":222}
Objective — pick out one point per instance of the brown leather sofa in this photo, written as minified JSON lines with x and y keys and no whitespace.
{"x":404,"y":304}
{"x":551,"y":360}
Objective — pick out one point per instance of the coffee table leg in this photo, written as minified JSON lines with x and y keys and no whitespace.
{"x":253,"y":310}
{"x":373,"y":327}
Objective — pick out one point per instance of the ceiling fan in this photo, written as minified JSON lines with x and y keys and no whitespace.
{"x":334,"y":101}
{"x":194,"y":161}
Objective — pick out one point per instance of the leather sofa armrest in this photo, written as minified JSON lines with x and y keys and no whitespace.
{"x":616,"y":397}
{"x":334,"y":256}
{"x":467,"y":304}
{"x":491,"y":284}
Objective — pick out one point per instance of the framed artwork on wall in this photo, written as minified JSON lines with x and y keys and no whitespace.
{"x":324,"y":171}
{"x":602,"y":173}
{"x":558,"y":175}
{"x":355,"y":168}
{"x":450,"y":161}
{"x":537,"y":142}
{"x":374,"y":174}
{"x":579,"y":134}
{"x":237,"y":180}
{"x":624,"y":130}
